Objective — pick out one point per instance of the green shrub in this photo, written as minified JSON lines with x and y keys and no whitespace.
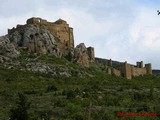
{"x":20,"y":111}
{"x":51,"y":88}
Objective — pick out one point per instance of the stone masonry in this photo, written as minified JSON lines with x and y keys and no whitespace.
{"x":125,"y":69}
{"x":91,"y":54}
{"x":130,"y":71}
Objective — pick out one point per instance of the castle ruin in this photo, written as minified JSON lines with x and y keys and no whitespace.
{"x":60,"y":29}
{"x":125,"y":69}
{"x":63,"y":32}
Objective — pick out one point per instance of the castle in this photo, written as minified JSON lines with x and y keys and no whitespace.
{"x":60,"y":29}
{"x":63,"y":32}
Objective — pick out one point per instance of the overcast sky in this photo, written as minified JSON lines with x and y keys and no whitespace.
{"x":122,"y":30}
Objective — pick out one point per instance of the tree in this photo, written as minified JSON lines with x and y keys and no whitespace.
{"x":20,"y":111}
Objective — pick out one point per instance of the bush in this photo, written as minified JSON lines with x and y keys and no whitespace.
{"x":20,"y":111}
{"x":51,"y":88}
{"x":71,"y":94}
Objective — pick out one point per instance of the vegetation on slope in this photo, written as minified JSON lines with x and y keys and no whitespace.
{"x":96,"y":95}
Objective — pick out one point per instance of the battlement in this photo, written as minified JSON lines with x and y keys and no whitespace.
{"x":37,"y":20}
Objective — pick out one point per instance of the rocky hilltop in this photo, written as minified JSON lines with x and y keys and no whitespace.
{"x":53,"y":38}
{"x":40,"y":37}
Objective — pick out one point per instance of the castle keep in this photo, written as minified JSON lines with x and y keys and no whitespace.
{"x":59,"y":29}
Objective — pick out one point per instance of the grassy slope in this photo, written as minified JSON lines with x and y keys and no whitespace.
{"x":69,"y":97}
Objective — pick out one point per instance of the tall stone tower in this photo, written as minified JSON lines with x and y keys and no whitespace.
{"x":91,"y":54}
{"x":127,"y":71}
{"x":65,"y":33}
{"x":140,"y":64}
{"x":148,"y":68}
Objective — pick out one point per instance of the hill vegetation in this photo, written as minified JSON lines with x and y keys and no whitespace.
{"x":85,"y":93}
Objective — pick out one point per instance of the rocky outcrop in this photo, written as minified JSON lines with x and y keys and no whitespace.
{"x":81,"y":55}
{"x":42,"y":37}
{"x":54,"y":70}
{"x":36,"y":40}
{"x":7,"y":50}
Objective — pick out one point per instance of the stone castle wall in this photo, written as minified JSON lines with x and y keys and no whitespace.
{"x":125,"y":69}
{"x":138,"y":71}
{"x":113,"y":71}
{"x":130,"y":71}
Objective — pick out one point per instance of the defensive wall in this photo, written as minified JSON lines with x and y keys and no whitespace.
{"x":125,"y":69}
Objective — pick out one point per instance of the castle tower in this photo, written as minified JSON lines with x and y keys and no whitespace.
{"x":127,"y":71}
{"x":65,"y":33}
{"x":91,"y":54}
{"x":148,"y":68}
{"x":140,"y":64}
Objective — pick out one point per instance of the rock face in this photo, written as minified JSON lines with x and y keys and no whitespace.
{"x":54,"y":70}
{"x":36,"y":40}
{"x":7,"y":50}
{"x":81,"y":55}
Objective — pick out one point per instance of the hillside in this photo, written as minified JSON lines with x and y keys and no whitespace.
{"x":44,"y":77}
{"x":69,"y":96}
